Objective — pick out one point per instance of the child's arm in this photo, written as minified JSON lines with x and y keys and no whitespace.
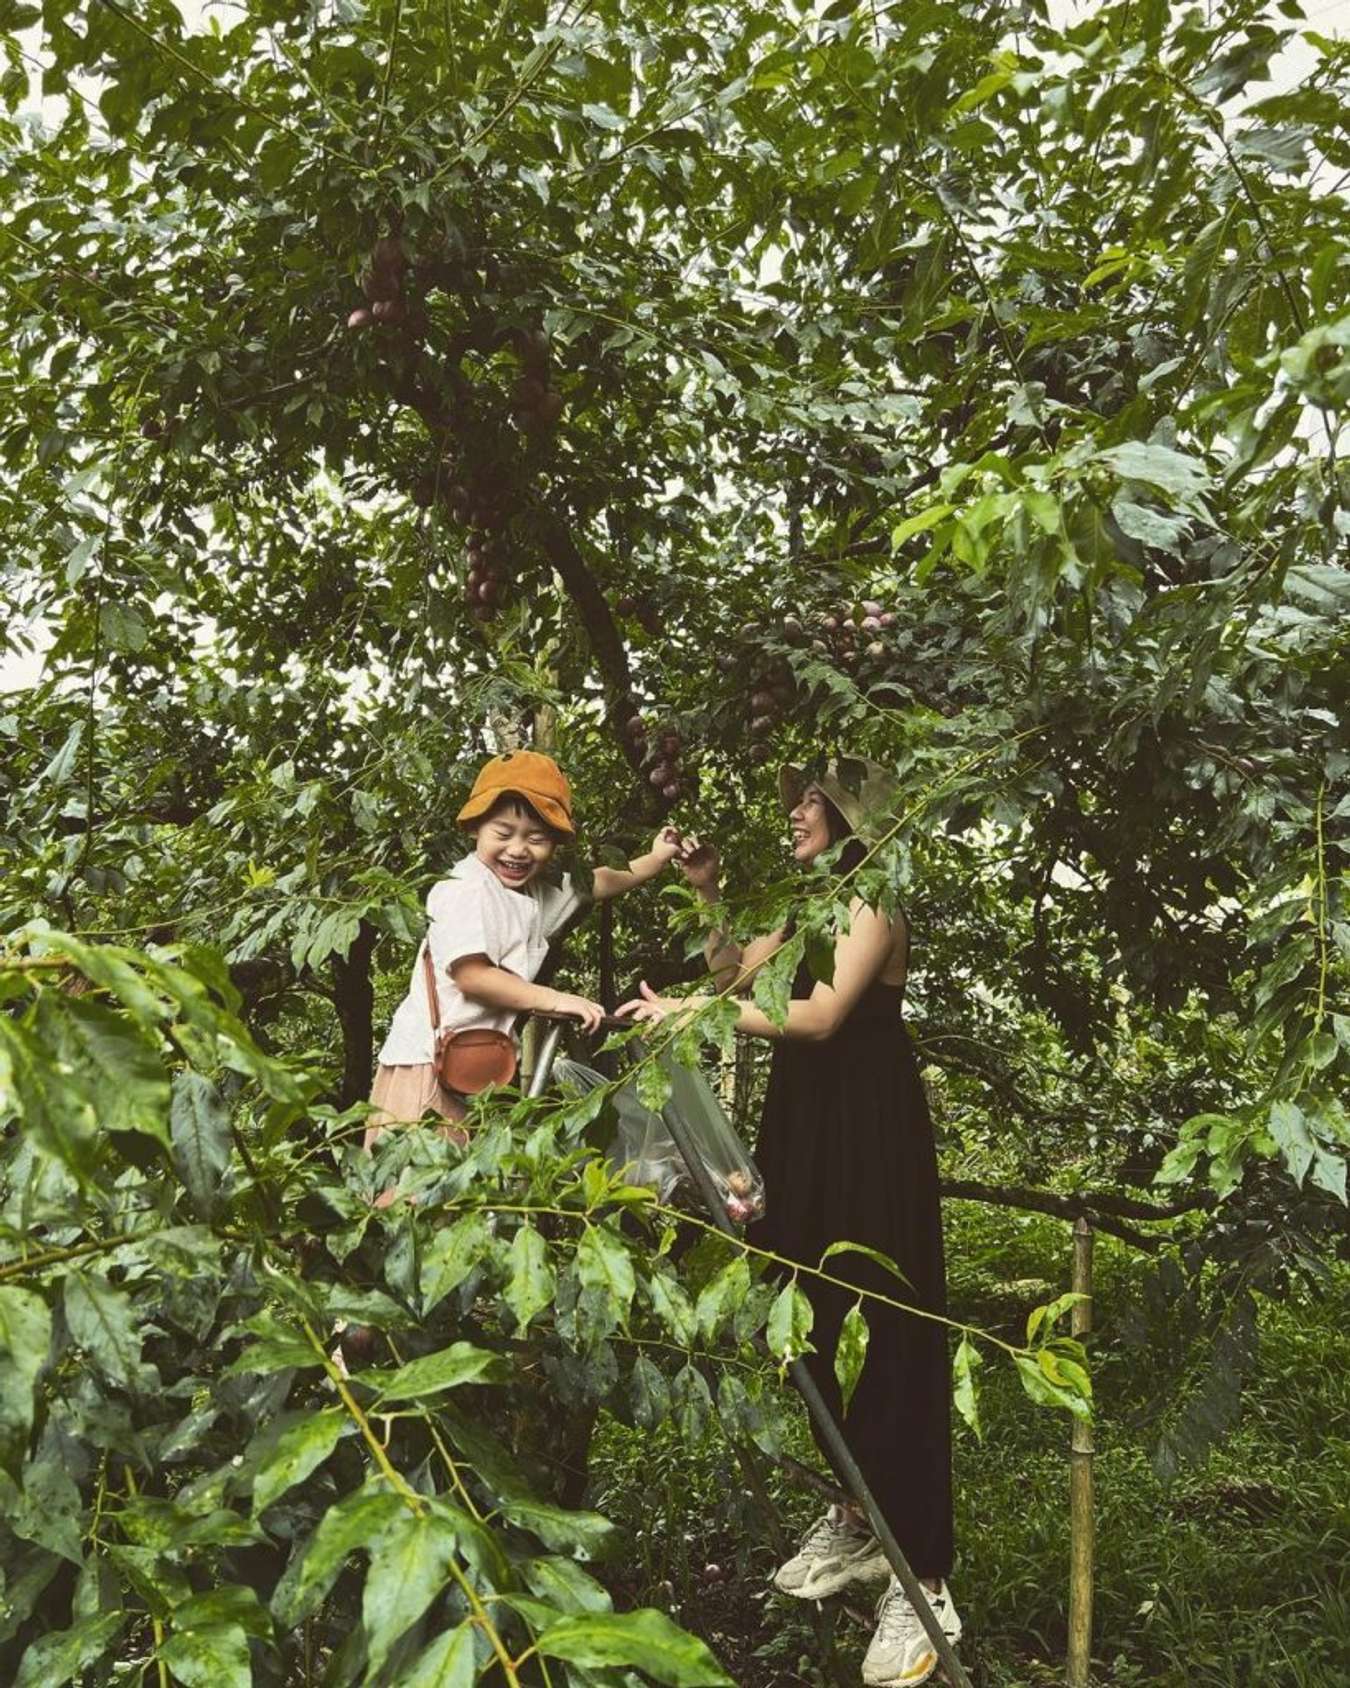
{"x":496,"y":987}
{"x":614,"y":881}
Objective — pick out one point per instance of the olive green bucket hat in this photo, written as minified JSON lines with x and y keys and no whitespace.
{"x":864,"y":793}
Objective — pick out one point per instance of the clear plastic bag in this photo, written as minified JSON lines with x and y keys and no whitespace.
{"x":644,"y":1144}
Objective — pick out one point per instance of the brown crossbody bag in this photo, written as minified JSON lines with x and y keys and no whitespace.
{"x":466,"y":1061}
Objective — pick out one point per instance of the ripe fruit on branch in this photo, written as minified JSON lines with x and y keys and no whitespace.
{"x":360,"y":318}
{"x":792,"y":628}
{"x":760,"y":753}
{"x":761,"y":725}
{"x":387,"y":310}
{"x":761,"y":702}
{"x":661,"y":775}
{"x":670,"y":744}
{"x":489,"y":592}
{"x":636,"y":728}
{"x":671,"y":791}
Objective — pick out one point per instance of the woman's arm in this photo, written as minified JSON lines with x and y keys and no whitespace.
{"x":497,"y":987}
{"x":614,"y":881}
{"x":860,"y":954}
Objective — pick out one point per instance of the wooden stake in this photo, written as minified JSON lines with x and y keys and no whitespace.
{"x":1081,"y":1528}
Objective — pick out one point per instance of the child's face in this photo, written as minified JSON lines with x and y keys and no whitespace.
{"x":515,"y":844}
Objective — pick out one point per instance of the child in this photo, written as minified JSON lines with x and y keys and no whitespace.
{"x":491,"y":922}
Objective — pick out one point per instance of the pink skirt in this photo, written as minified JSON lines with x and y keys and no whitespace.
{"x":402,"y":1095}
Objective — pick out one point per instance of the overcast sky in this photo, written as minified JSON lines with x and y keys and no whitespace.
{"x":1329,"y":17}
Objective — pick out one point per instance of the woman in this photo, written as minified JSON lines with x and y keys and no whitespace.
{"x":846,"y":1150}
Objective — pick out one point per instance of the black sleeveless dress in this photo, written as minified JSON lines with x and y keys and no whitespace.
{"x":846,"y":1150}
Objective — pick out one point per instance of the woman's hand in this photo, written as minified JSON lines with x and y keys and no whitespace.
{"x":701,"y":864}
{"x":653,"y":1009}
{"x":580,"y":1008}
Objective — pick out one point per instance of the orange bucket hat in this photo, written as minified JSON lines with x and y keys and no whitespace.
{"x":523,"y":773}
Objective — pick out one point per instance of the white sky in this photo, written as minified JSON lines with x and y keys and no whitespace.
{"x":1329,"y":17}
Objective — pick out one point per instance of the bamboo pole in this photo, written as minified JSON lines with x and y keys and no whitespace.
{"x":1079,"y":1664}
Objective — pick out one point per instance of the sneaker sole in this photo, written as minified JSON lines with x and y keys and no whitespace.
{"x":821,"y":1587}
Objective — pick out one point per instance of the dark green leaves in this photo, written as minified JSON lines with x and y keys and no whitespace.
{"x":354,"y":1522}
{"x":291,"y":1452}
{"x":104,"y":1323}
{"x":646,"y":1640}
{"x":460,"y":1363}
{"x":200,"y":1127}
{"x":409,"y":1566}
{"x":25,"y":1338}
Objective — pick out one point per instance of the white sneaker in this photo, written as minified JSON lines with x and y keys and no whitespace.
{"x":900,"y":1652}
{"x":834,"y":1552}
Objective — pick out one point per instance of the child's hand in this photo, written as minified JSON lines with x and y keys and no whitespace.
{"x":701,"y":864}
{"x":667,"y":846}
{"x":580,"y":1008}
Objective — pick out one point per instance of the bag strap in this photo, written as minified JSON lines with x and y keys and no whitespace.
{"x":433,"y":1000}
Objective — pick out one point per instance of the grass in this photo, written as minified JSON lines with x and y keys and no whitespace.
{"x":1234,"y":1574}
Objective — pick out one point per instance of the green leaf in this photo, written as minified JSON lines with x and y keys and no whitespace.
{"x":293,"y":1452}
{"x":212,"y":1656}
{"x":646,"y":1640}
{"x":966,"y":1393}
{"x":604,"y":1263}
{"x":1051,"y":1312}
{"x":843,"y":1246}
{"x":1295,"y":1141}
{"x":355,"y":1522}
{"x":104,"y":1323}
{"x":1159,"y":466}
{"x":532,"y":1285}
{"x":1048,"y":1392}
{"x":451,"y":1255}
{"x":772,"y":989}
{"x":653,"y":1085}
{"x":722,"y":1295}
{"x":25,"y":1342}
{"x":199,"y":1125}
{"x":565,"y":1586}
{"x":461,"y":1362}
{"x":49,"y":1511}
{"x":911,"y":525}
{"x":409,"y":1566}
{"x":850,"y":1352}
{"x":671,"y":1304}
{"x":54,"y":1660}
{"x":586,"y":1533}
{"x":449,"y":1662}
{"x":648,"y":1394}
{"x":790,"y":1321}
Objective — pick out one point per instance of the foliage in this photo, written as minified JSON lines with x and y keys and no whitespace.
{"x":928,"y":382}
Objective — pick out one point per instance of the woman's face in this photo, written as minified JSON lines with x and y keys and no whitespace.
{"x":810,"y":826}
{"x":515,"y":844}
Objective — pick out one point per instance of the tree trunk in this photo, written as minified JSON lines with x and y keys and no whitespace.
{"x":354,"y":997}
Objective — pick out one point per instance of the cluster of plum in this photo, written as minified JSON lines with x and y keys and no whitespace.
{"x":481,"y":506}
{"x":382,"y":284}
{"x":743,"y":1201}
{"x":850,"y":632}
{"x":661,"y":759}
{"x":773,"y":691}
{"x":536,"y":404}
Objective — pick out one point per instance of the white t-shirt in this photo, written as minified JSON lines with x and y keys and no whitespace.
{"x":473,"y":913}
